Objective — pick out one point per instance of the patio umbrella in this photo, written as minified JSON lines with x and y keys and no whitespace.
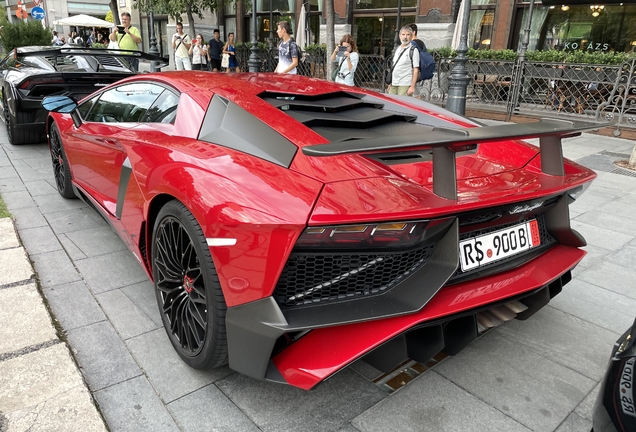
{"x":83,"y":21}
{"x":458,"y":27}
{"x":301,"y":29}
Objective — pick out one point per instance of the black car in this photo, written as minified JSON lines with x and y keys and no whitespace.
{"x":32,"y":72}
{"x":615,"y":409}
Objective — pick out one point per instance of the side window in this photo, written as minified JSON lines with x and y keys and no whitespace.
{"x":164,"y":110}
{"x":85,"y":108}
{"x":127,"y":103}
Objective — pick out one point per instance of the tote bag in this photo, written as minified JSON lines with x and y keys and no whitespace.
{"x":225,"y":61}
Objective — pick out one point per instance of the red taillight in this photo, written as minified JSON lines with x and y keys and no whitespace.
{"x":380,"y":235}
{"x":30,"y":83}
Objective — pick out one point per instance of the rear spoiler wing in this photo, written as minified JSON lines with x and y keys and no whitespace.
{"x":445,"y":142}
{"x":97,"y":52}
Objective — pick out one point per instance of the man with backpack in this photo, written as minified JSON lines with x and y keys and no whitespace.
{"x":405,"y":70}
{"x":427,"y":63}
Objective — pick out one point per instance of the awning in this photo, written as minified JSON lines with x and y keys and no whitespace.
{"x":83,"y":21}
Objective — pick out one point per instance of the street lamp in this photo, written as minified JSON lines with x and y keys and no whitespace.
{"x":458,"y":81}
{"x":254,"y":63}
{"x":153,"y":40}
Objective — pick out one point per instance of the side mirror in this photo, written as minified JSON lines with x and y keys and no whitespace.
{"x":61,"y":104}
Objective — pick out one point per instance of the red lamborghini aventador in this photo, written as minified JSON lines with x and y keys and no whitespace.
{"x":292,"y":226}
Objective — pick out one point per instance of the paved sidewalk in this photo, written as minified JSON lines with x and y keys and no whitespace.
{"x":41,"y":388}
{"x":537,"y":375}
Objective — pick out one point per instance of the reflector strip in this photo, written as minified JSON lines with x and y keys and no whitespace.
{"x":220,"y":241}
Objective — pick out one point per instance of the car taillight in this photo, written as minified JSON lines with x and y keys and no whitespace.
{"x":379,"y":235}
{"x":30,"y":83}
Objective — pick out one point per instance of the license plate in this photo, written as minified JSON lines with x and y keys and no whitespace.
{"x":626,"y":395}
{"x":484,"y":249}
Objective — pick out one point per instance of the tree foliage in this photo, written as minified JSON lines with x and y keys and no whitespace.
{"x":176,"y":8}
{"x":24,"y":34}
{"x":109,"y":17}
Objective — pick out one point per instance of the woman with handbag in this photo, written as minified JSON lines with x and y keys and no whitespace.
{"x":199,"y":52}
{"x":230,"y":50}
{"x":346,"y":54}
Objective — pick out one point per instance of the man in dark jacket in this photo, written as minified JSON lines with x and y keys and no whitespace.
{"x":214,"y":51}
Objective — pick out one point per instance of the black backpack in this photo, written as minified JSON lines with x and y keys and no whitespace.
{"x":427,"y":62}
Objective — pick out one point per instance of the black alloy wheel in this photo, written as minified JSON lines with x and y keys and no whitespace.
{"x":188,"y":292}
{"x":61,"y":170}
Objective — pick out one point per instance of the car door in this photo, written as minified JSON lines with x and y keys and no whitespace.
{"x":97,"y":149}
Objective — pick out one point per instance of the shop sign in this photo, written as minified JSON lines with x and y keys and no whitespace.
{"x":592,"y":46}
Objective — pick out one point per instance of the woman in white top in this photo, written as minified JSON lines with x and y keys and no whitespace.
{"x":199,"y":52}
{"x":347,"y":60}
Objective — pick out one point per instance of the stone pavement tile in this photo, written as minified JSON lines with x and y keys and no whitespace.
{"x":349,"y":428}
{"x":134,"y":406}
{"x":24,"y":321}
{"x":508,"y":376}
{"x":70,"y":411}
{"x":601,"y":237}
{"x":101,"y":355}
{"x":608,"y":221}
{"x":114,"y":270}
{"x":33,"y":378}
{"x":593,"y":199}
{"x":629,"y":198}
{"x":73,"y":305}
{"x":96,"y":241}
{"x":168,"y":374}
{"x":593,"y":304}
{"x":11,"y":184}
{"x":8,"y":236}
{"x":594,"y":255}
{"x":28,"y":173}
{"x":8,"y":172}
{"x":15,"y":266}
{"x":128,"y":320}
{"x":625,"y":257}
{"x":39,"y":240}
{"x":54,"y":268}
{"x":66,"y":221}
{"x":40,"y":187}
{"x":556,"y":335}
{"x":612,"y":277}
{"x":143,"y":295}
{"x":27,"y":151}
{"x":73,"y":251}
{"x":28,"y":218}
{"x":53,"y":203}
{"x":431,"y":403}
{"x":616,"y":181}
{"x":621,"y":209}
{"x":276,"y":407}
{"x":586,"y":408}
{"x":208,"y":409}
{"x":17,"y":200}
{"x":575,"y":423}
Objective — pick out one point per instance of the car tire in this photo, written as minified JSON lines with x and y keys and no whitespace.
{"x":189,"y":295}
{"x":19,"y":136}
{"x":61,"y":170}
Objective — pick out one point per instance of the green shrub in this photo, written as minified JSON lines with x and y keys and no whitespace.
{"x":98,"y":45}
{"x":555,"y":56}
{"x":25,"y":34}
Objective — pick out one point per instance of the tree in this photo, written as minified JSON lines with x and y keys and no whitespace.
{"x":114,"y":12}
{"x":23,"y":34}
{"x":175,"y":8}
{"x":331,"y":40}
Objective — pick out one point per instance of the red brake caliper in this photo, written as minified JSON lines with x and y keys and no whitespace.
{"x":188,"y":284}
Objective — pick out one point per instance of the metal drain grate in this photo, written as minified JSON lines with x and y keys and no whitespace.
{"x":623,"y":171}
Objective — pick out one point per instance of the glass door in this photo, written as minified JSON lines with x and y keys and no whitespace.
{"x":376,"y":34}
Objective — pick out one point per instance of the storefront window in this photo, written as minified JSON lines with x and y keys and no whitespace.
{"x":611,"y":28}
{"x":482,"y":16}
{"x":383,"y":4}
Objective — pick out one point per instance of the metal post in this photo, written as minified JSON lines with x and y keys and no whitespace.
{"x":518,"y":72}
{"x":153,"y":40}
{"x":396,"y":39}
{"x":458,"y":81}
{"x":254,"y":63}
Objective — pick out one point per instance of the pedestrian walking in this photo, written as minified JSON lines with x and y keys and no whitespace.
{"x":181,"y":45}
{"x":215,"y":49}
{"x":230,"y":50}
{"x":405,"y":70}
{"x":287,"y":50}
{"x":127,"y":37}
{"x":346,"y":54}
